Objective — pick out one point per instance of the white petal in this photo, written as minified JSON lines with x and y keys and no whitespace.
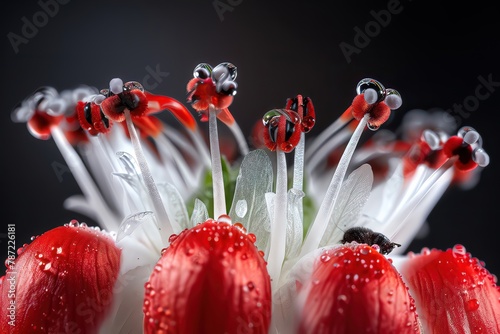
{"x":251,"y":186}
{"x":176,"y":209}
{"x":351,"y":200}
{"x":200,"y":213}
{"x":139,"y":240}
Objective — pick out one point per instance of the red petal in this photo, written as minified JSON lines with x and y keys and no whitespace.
{"x":160,"y":102}
{"x":355,"y":289}
{"x":60,"y":283}
{"x":211,"y":279}
{"x":453,"y":292}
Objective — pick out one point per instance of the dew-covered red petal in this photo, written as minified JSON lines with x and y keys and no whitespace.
{"x":211,"y":279}
{"x":453,"y":292}
{"x":60,"y":283}
{"x":355,"y":289}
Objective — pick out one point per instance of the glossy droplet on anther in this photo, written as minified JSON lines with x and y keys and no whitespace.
{"x":375,"y":85}
{"x":202,"y":71}
{"x":282,"y":129}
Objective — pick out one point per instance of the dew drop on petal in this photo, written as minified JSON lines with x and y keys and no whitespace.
{"x":459,"y":251}
{"x":241,"y":208}
{"x":472,"y":305}
{"x":252,"y":237}
{"x":224,"y":219}
{"x":325,"y":258}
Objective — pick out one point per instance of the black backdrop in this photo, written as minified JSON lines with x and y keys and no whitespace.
{"x":434,"y":54}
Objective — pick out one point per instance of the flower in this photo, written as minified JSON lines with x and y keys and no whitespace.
{"x":323,"y":255}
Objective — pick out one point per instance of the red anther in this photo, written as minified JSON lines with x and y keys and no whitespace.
{"x":422,"y":153}
{"x":305,"y":108}
{"x":456,"y":147}
{"x":158,"y":103}
{"x":203,"y":90}
{"x":355,"y":289}
{"x":63,"y":280}
{"x":92,"y":119}
{"x":211,"y":279}
{"x":453,"y":292}
{"x":202,"y":94}
{"x":73,"y":130}
{"x":40,"y":124}
{"x":282,"y":129}
{"x":134,"y":100}
{"x":379,"y":111}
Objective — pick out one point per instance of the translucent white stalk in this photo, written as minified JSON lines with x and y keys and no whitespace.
{"x":440,"y":178}
{"x":278,"y":227}
{"x":217,"y":176}
{"x":240,"y":138}
{"x":200,"y":145}
{"x":201,"y":154}
{"x":186,"y":175}
{"x":318,"y":227}
{"x":298,"y":169}
{"x":164,"y":224}
{"x":103,"y":214}
{"x":322,"y":152}
{"x":320,"y":140}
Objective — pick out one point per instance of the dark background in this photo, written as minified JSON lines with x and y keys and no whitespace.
{"x":432,"y":53}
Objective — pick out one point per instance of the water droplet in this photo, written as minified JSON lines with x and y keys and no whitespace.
{"x":47,"y":266}
{"x":73,"y":223}
{"x":342,"y":298}
{"x":252,"y":237}
{"x":172,"y":238}
{"x":241,"y":208}
{"x":325,"y":258}
{"x":459,"y":251}
{"x":224,"y":219}
{"x":425,"y":251}
{"x":240,"y":226}
{"x":472,"y":305}
{"x":365,"y":250}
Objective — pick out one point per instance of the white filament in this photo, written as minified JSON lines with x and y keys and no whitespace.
{"x":164,"y":224}
{"x":320,"y":223}
{"x":217,"y":176}
{"x":279,"y":223}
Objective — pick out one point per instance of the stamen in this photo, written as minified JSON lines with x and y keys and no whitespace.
{"x":160,"y":211}
{"x":282,"y":133}
{"x":217,"y":176}
{"x":278,"y":227}
{"x":318,"y":227}
{"x":84,"y":180}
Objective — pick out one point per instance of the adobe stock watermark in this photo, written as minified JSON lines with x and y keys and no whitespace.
{"x":471,"y":103}
{"x":363,"y":37}
{"x":154,"y":77}
{"x":30,"y":27}
{"x":222,"y":6}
